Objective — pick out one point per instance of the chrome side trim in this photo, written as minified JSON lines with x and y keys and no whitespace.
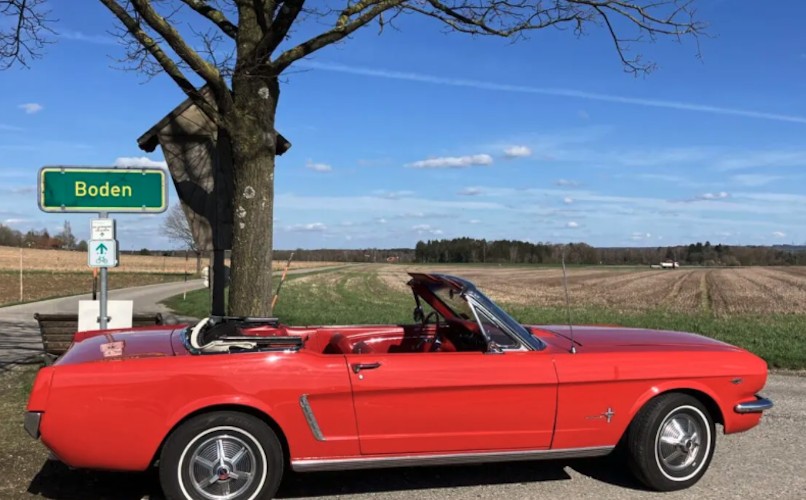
{"x":311,"y":465}
{"x":757,"y":406}
{"x":31,"y":423}
{"x":310,"y":418}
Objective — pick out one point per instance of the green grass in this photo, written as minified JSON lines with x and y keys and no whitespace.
{"x":356,"y":297}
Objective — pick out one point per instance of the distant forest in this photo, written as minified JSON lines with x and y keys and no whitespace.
{"x":521,"y":252}
{"x":470,"y":250}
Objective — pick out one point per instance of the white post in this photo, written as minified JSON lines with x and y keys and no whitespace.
{"x":104,"y":291}
{"x":21,"y":285}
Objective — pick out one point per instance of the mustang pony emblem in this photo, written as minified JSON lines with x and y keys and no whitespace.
{"x":607,"y":415}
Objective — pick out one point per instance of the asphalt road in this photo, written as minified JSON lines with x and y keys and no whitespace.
{"x":19,"y":334}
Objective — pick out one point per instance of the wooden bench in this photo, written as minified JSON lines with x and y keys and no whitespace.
{"x":57,"y":330}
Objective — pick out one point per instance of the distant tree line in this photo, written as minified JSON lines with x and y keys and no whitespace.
{"x":393,"y":255}
{"x":471,"y":250}
{"x":64,"y":240}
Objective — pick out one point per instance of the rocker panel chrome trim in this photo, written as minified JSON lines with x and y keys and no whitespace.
{"x":310,"y":418}
{"x":311,"y":465}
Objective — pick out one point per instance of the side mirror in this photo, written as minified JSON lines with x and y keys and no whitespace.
{"x":418,"y":314}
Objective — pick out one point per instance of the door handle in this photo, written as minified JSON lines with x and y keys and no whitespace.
{"x":357,"y":367}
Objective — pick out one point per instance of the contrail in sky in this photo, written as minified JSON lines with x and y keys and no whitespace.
{"x":579,"y":94}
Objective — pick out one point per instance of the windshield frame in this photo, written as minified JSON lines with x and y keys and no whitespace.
{"x":475,"y":299}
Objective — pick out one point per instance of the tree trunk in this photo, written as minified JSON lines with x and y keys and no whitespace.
{"x":253,"y":139}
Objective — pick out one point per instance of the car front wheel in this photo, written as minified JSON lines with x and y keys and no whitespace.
{"x":670,"y":442}
{"x":221,"y":456}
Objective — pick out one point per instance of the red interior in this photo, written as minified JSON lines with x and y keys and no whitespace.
{"x":361,"y":339}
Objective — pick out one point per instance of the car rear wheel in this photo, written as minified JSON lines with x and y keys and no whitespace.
{"x":670,"y":442}
{"x":221,"y":456}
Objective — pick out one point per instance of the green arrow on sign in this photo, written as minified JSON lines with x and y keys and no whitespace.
{"x":101,"y":249}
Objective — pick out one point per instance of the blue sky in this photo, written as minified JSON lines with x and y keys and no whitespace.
{"x":415,"y":134}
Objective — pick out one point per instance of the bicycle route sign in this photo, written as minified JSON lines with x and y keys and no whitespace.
{"x":102,"y":253}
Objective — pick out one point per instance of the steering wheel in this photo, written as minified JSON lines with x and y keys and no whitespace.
{"x":429,"y":315}
{"x":437,"y":337}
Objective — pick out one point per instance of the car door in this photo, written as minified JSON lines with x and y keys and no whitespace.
{"x":453,"y":401}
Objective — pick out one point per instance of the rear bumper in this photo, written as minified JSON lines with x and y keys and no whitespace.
{"x":758,"y":405}
{"x":31,"y":423}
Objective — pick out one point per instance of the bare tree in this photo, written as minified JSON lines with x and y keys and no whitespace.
{"x":177,"y":228}
{"x":25,"y":33}
{"x":240,"y":48}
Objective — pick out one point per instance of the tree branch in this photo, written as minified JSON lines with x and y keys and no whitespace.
{"x":216,"y":16}
{"x":344,"y":27}
{"x":170,"y":66}
{"x":172,"y":37}
{"x":23,"y":38}
{"x":279,"y":28}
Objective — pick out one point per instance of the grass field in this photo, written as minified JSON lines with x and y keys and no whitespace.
{"x":760,"y":309}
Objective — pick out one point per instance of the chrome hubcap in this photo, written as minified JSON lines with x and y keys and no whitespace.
{"x":679,"y":442}
{"x":222,"y":467}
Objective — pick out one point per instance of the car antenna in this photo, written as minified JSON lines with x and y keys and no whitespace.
{"x":568,"y":304}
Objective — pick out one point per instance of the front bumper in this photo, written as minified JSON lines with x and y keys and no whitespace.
{"x":758,"y":405}
{"x":31,"y":423}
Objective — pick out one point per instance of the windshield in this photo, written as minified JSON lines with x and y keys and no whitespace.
{"x":454,"y":301}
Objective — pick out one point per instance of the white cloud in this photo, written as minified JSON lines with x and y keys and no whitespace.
{"x":770,"y":158}
{"x":559,"y":92}
{"x":453,"y":161}
{"x":754,"y":180}
{"x":319,"y":167}
{"x":566,"y":183}
{"x":381,"y":221}
{"x":31,"y":108}
{"x":393,"y":195}
{"x":572,"y":224}
{"x":568,"y":200}
{"x":517,"y":152}
{"x":426,"y":229}
{"x":714,"y":196}
{"x":14,"y":221}
{"x":315,"y":227}
{"x":474,"y":221}
{"x":141,"y":161}
{"x":637,"y":236}
{"x":470,"y":191}
{"x":78,"y":36}
{"x":779,"y":234}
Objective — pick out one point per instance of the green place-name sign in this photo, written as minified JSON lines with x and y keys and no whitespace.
{"x":86,"y":189}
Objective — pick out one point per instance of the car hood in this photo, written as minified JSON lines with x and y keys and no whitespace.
{"x":609,"y":338}
{"x":116,"y":345}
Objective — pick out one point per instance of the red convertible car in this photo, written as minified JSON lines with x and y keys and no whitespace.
{"x":226,"y":406}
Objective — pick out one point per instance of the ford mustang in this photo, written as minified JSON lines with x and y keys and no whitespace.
{"x":226,"y":406}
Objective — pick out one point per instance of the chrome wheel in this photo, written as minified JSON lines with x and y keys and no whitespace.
{"x":670,"y":442}
{"x":222,"y":467}
{"x":679,"y":442}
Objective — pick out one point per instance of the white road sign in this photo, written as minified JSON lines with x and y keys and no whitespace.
{"x":103,"y":253}
{"x":102,"y":229}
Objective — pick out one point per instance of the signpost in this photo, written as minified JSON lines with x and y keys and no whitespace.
{"x":64,"y":189}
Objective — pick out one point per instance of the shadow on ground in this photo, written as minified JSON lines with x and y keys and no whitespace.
{"x":56,"y":481}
